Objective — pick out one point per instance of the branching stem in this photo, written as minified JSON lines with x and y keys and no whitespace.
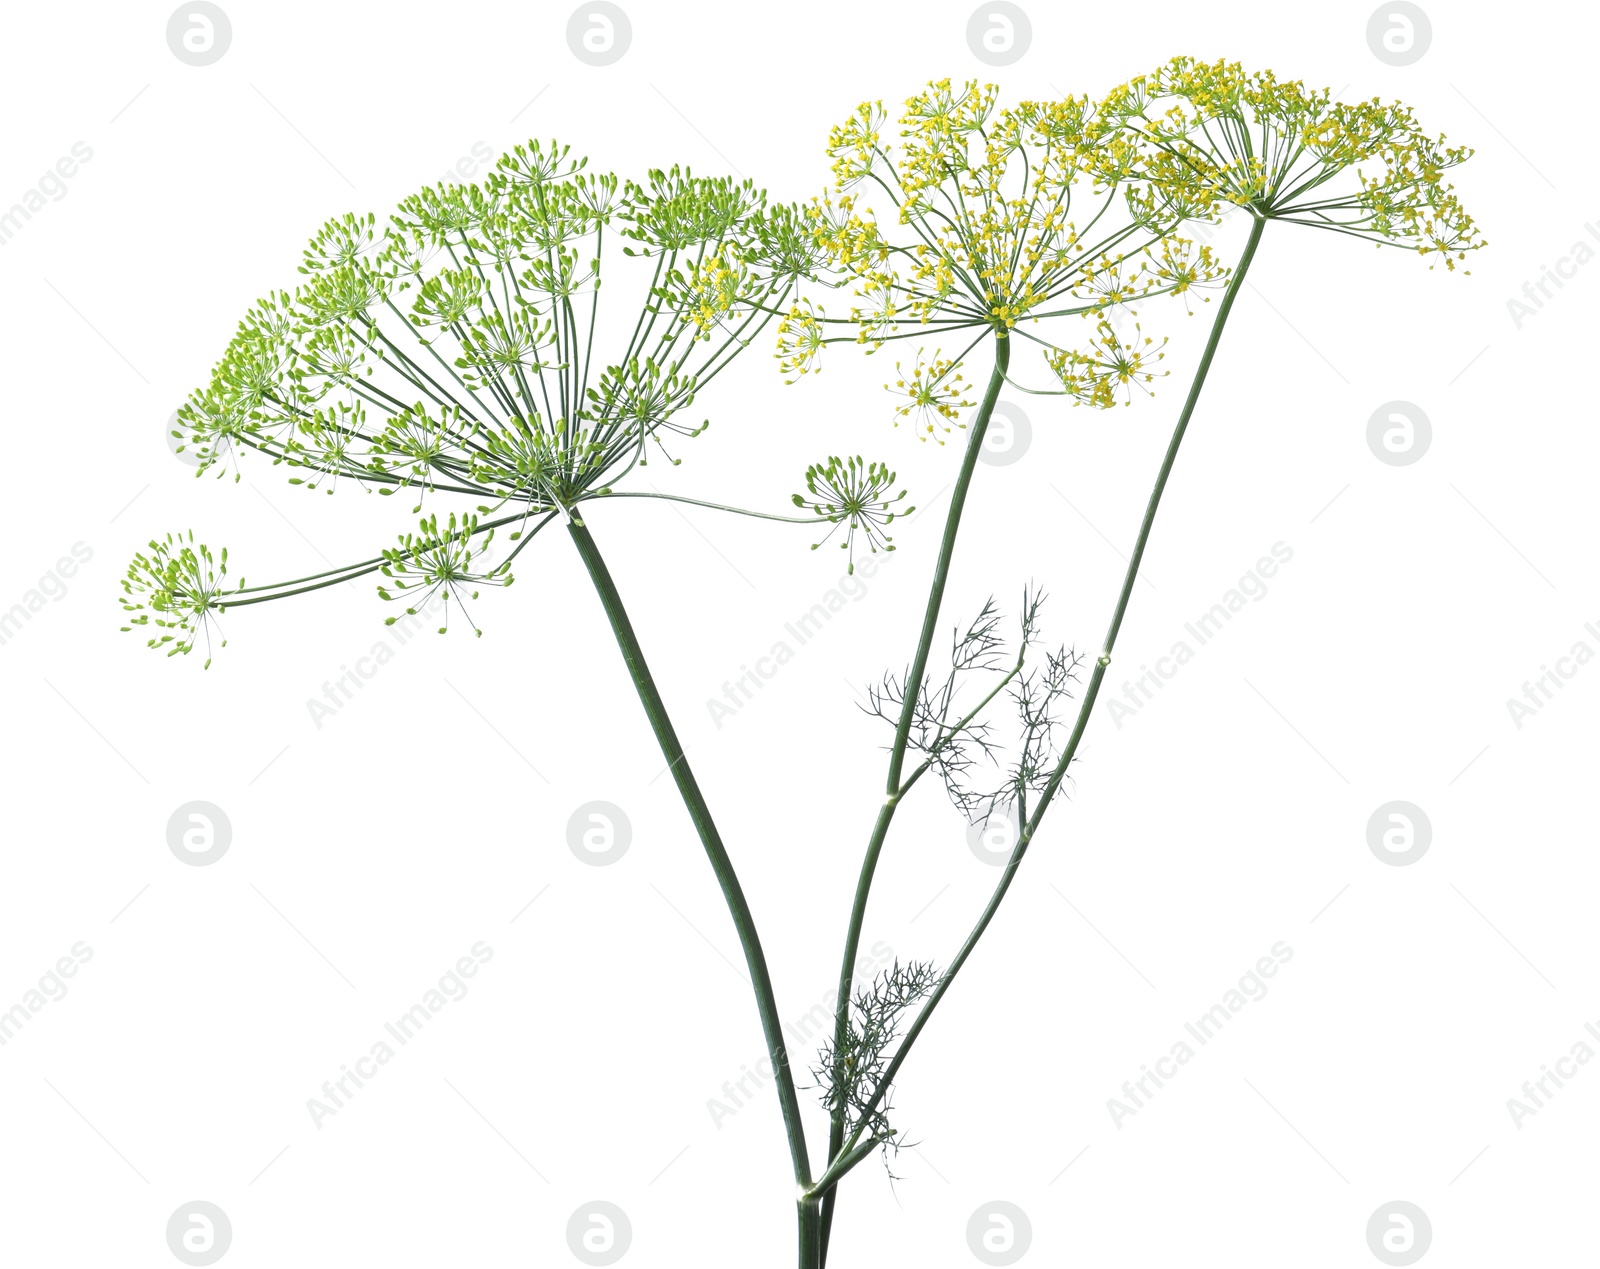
{"x":842,"y":1158}
{"x":894,"y":788}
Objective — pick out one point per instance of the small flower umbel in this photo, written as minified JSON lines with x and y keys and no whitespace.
{"x":934,"y":392}
{"x":440,"y":563}
{"x":459,"y":351}
{"x":800,"y":340}
{"x":855,"y":494}
{"x":178,"y":588}
{"x":1215,"y":134}
{"x":1093,"y":377}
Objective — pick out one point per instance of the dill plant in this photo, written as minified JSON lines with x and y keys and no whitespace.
{"x":977,"y":219}
{"x":450,"y":353}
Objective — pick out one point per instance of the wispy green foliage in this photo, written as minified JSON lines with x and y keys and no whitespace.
{"x":850,"y":1067}
{"x":952,"y":724}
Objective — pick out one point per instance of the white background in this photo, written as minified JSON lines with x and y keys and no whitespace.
{"x":1228,"y":814}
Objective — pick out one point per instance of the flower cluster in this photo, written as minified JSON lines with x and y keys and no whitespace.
{"x":855,"y":494}
{"x":993,"y":220}
{"x":718,"y":292}
{"x":436,"y":561}
{"x":934,"y":393}
{"x":178,"y":588}
{"x":800,"y":339}
{"x":473,"y":311}
{"x":1180,"y":267}
{"x":1094,"y":376}
{"x":453,"y":350}
{"x":1225,"y":135}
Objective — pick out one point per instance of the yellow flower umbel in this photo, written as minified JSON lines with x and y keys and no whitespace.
{"x":800,"y":339}
{"x":1216,"y":134}
{"x":1093,"y":377}
{"x":1180,"y":267}
{"x":934,"y":395}
{"x":993,"y":220}
{"x":717,"y":290}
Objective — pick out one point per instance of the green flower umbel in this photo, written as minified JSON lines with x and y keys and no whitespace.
{"x":459,"y":352}
{"x":855,"y":494}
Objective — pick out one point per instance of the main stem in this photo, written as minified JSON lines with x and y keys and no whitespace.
{"x":830,"y":1178}
{"x":913,"y":686}
{"x":811,"y":1239}
{"x":689,"y":790}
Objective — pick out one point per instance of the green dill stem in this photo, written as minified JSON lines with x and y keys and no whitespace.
{"x":852,"y":944}
{"x":941,"y":571}
{"x":338,"y":576}
{"x":689,"y":790}
{"x":810,"y":1231}
{"x":913,"y":687}
{"x":699,"y":502}
{"x":831,"y":1176}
